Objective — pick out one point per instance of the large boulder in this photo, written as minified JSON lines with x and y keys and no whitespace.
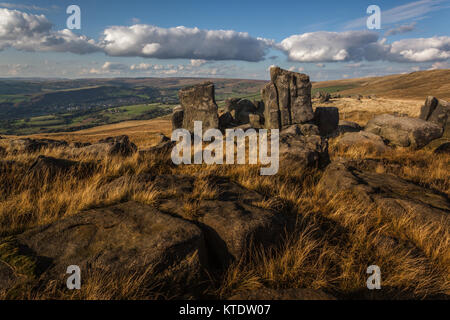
{"x":123,"y":240}
{"x":436,"y":110}
{"x":394,"y":196}
{"x":112,"y":146}
{"x":404,"y":131}
{"x":302,"y":146}
{"x":163,"y":149}
{"x":267,"y":294}
{"x":228,"y":216}
{"x":287,"y":99}
{"x":364,"y":140}
{"x":199,"y":104}
{"x":327,"y":119}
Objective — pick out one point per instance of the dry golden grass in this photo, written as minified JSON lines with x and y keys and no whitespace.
{"x":361,"y":111}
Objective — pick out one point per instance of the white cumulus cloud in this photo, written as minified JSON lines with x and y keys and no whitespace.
{"x":326,"y":46}
{"x":181,"y":42}
{"x":421,"y":49}
{"x":30,"y":32}
{"x":356,"y":46}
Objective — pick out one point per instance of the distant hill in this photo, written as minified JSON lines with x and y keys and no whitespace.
{"x":33,"y":106}
{"x":416,"y":85}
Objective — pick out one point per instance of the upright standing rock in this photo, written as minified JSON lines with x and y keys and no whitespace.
{"x":327,"y":119}
{"x":287,"y":99}
{"x":177,"y":117}
{"x":436,"y":110}
{"x":271,"y":110}
{"x":199,"y":104}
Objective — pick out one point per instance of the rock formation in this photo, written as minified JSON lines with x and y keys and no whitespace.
{"x":287,"y":99}
{"x":199,"y":104}
{"x":369,"y":141}
{"x":240,"y":109}
{"x":111,"y":146}
{"x":118,"y":240}
{"x":303,"y":146}
{"x":436,"y":110}
{"x":392,"y":194}
{"x":404,"y":131}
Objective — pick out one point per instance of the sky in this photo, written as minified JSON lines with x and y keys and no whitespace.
{"x":223,"y":39}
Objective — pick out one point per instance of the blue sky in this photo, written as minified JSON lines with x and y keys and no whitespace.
{"x":233,"y":39}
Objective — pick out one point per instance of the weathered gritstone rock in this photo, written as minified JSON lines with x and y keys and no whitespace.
{"x":302,"y":146}
{"x":177,"y":117}
{"x":395,"y":196}
{"x":283,"y":294}
{"x":120,"y":240}
{"x":369,"y":141}
{"x":404,"y":131}
{"x":287,"y":99}
{"x":323,"y":97}
{"x":436,"y":110}
{"x":162,"y":149}
{"x":199,"y":104}
{"x":255,"y":121}
{"x":27,"y":145}
{"x":240,"y":109}
{"x":112,"y":146}
{"x":226,"y":120}
{"x":327,"y":119}
{"x":231,"y":221}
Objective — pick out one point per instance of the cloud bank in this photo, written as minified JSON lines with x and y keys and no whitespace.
{"x":362,"y":45}
{"x":30,"y":32}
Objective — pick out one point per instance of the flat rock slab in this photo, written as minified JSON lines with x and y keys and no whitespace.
{"x":231,"y":221}
{"x":119,"y":240}
{"x":394,"y":195}
{"x":366,"y":140}
{"x":111,"y":146}
{"x":404,"y":131}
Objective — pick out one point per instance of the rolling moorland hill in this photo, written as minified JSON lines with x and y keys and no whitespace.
{"x":416,"y":85}
{"x":44,"y":106}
